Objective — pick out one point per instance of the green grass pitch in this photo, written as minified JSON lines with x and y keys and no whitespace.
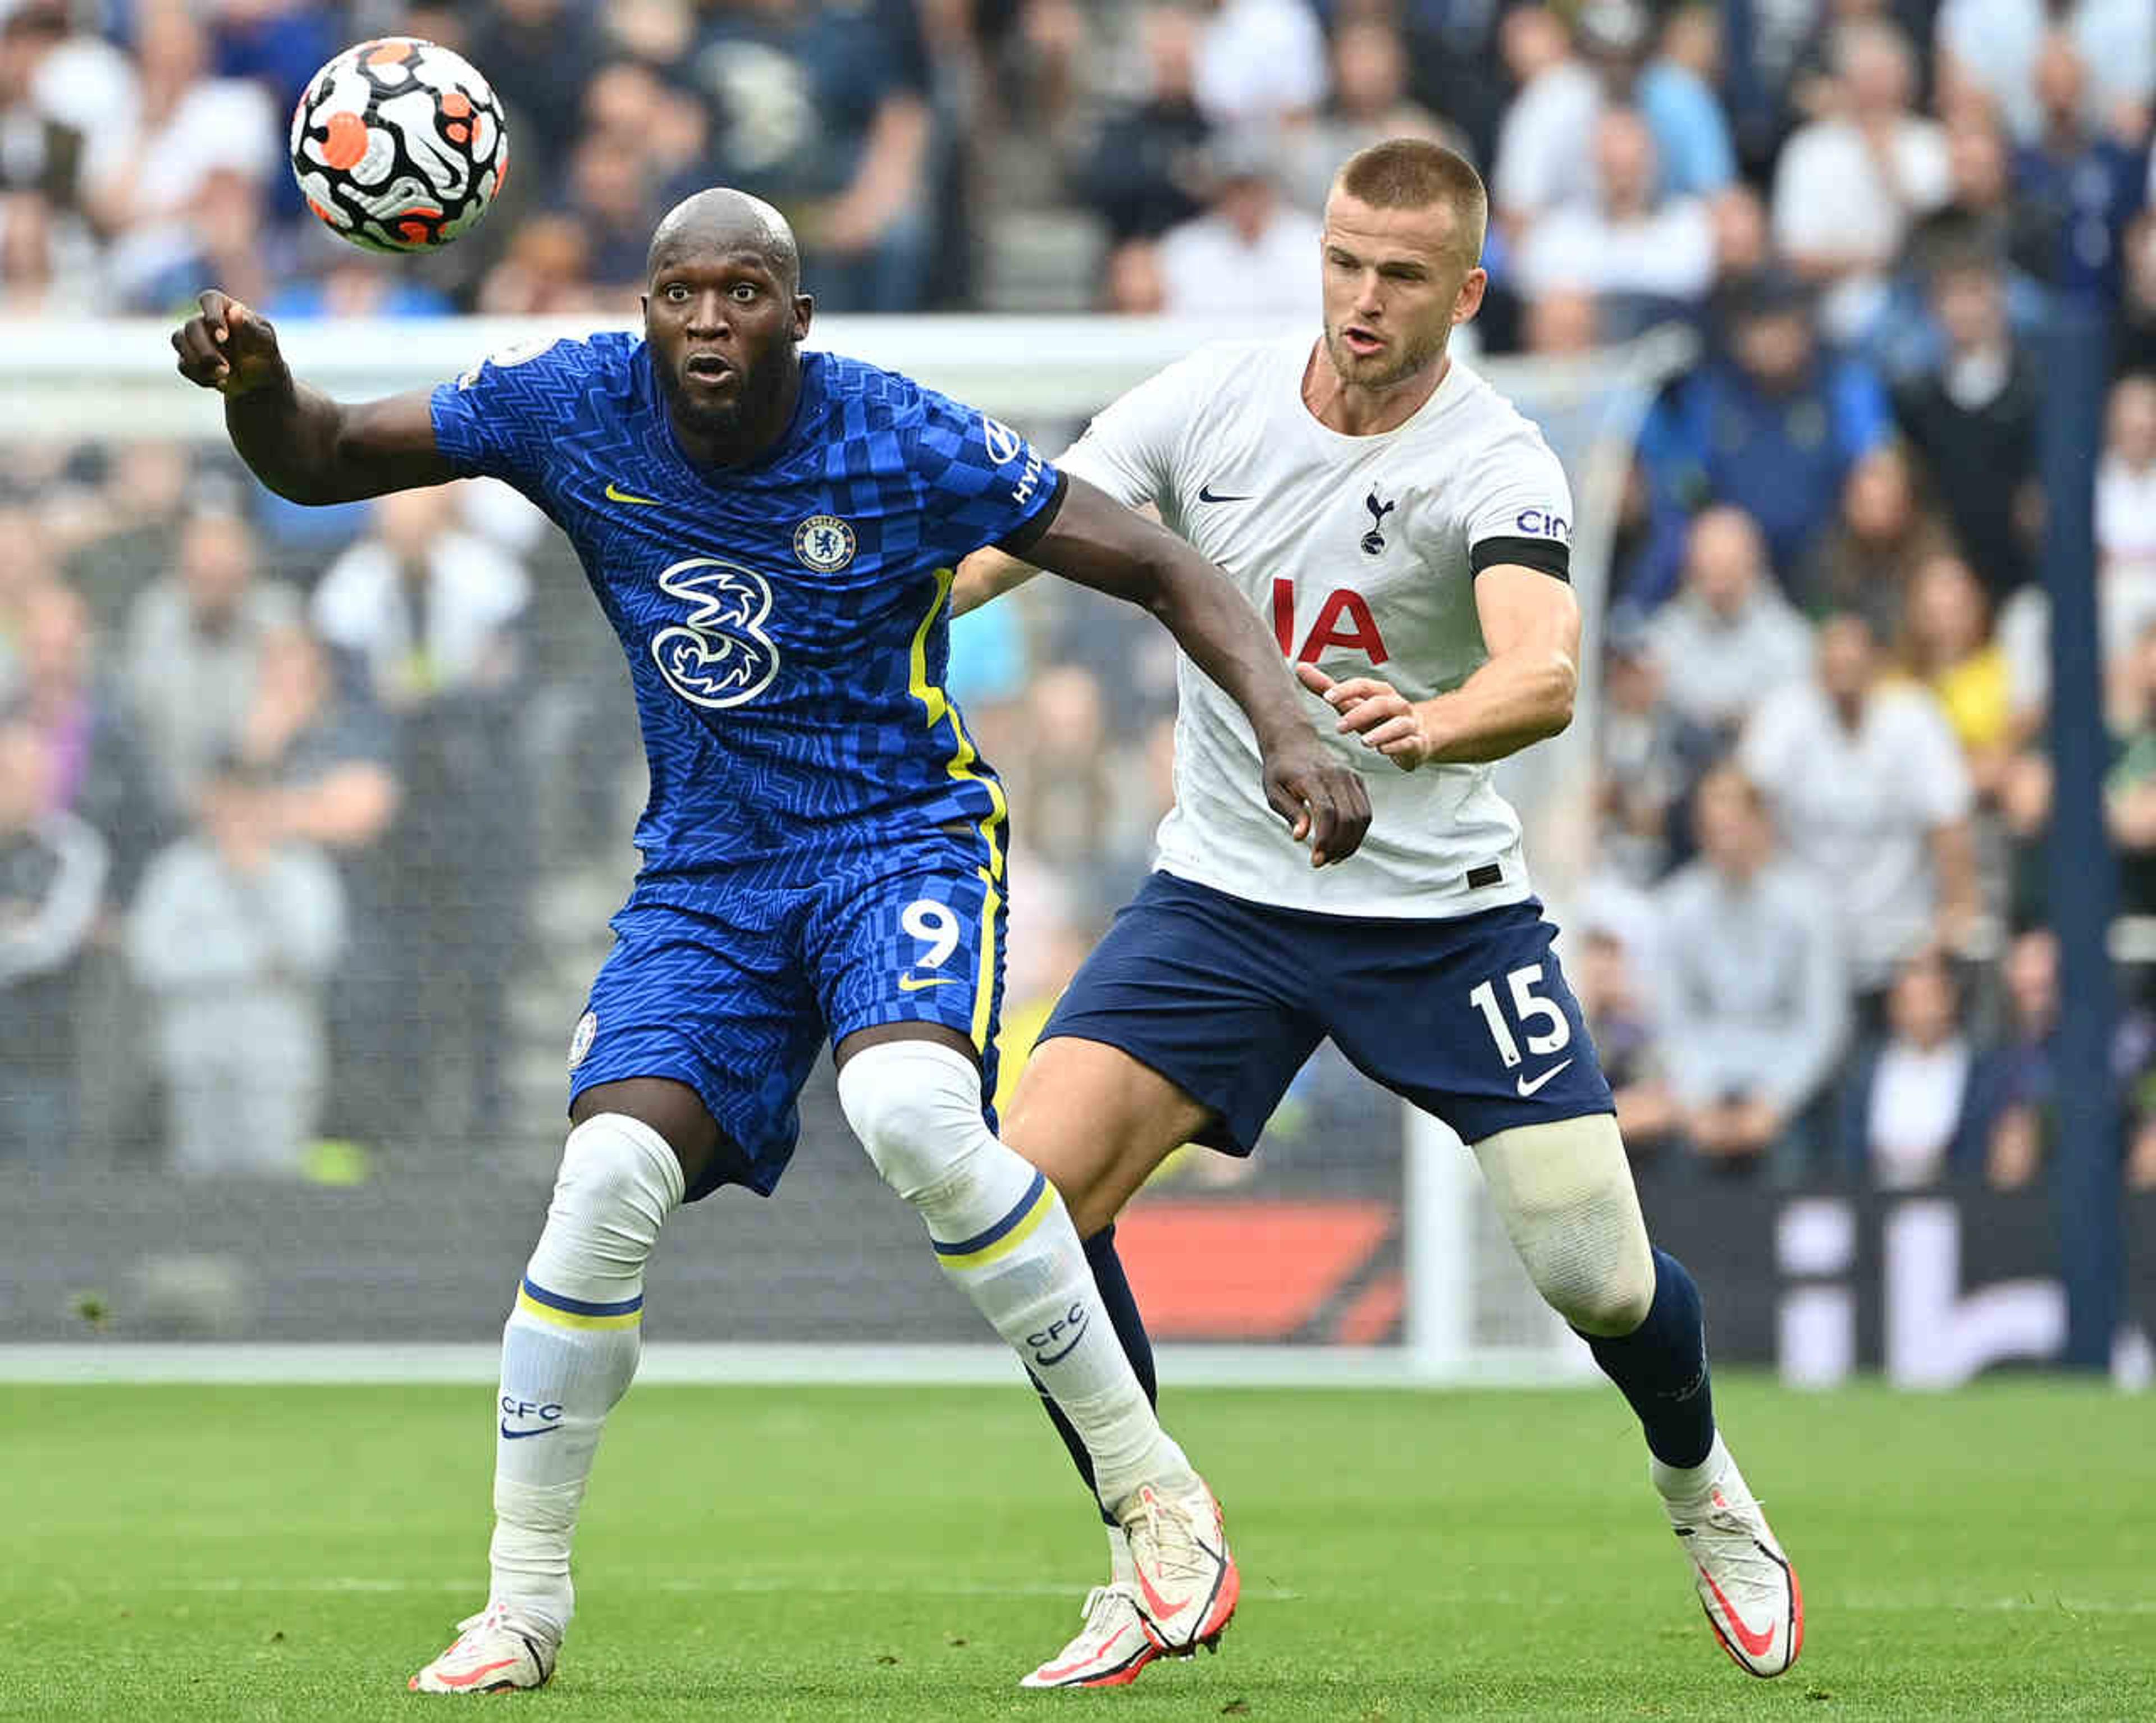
{"x":290,"y":1553}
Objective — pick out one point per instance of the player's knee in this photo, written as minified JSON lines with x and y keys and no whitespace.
{"x":614,"y":1167}
{"x":915,"y":1105}
{"x":1611,"y":1299}
{"x":1564,"y":1193}
{"x":618,"y":1183}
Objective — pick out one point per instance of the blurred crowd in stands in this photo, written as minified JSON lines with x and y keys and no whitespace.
{"x":259,"y":769}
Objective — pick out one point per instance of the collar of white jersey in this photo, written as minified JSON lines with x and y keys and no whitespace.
{"x":1452,"y":388}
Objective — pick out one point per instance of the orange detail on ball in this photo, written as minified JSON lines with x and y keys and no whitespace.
{"x":456,"y":105}
{"x":346,"y":145}
{"x":459,"y":133}
{"x":418,"y":232}
{"x":389,"y":54}
{"x":322,"y":211}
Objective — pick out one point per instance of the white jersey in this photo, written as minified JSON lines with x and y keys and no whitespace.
{"x":1361,"y":552}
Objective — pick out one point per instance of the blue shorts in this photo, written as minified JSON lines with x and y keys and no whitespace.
{"x":734,"y":989}
{"x":1470,"y":1019}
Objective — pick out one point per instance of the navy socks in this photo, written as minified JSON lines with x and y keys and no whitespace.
{"x":1660,"y":1367}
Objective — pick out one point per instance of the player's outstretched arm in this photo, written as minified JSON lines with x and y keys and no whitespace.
{"x":304,"y":446}
{"x":1098,"y":543}
{"x":1522,"y":693}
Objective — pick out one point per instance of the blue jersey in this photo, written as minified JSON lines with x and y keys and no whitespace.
{"x":785,"y":622}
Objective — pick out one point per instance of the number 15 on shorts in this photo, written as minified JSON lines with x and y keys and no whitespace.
{"x":1530,"y":1008}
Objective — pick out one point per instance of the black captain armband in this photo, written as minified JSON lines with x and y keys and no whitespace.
{"x":1547,"y":555}
{"x":1016,"y":544}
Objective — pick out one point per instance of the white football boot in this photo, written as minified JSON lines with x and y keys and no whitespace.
{"x":1187,"y":1582}
{"x":1746,"y":1584}
{"x":494,"y":1651}
{"x":1111,"y":1649}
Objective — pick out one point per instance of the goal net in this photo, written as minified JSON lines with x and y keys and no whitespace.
{"x":458,"y":751}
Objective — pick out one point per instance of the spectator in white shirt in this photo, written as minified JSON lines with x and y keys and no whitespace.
{"x":1370,"y":103}
{"x":1847,"y":187}
{"x":1869,"y":790}
{"x":2126,"y":505}
{"x":1753,"y":996}
{"x":1727,"y":637}
{"x":1541,"y":158}
{"x":1988,"y":50}
{"x":426,"y":606}
{"x":205,"y":144}
{"x":1251,"y":254}
{"x":1260,"y":62}
{"x":2126,"y":560}
{"x":1906,"y":1113}
{"x":1629,"y":241}
{"x":194,"y":644}
{"x":234,"y":934}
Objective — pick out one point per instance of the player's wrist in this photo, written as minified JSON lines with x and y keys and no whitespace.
{"x":1429,"y":719}
{"x":266,"y":382}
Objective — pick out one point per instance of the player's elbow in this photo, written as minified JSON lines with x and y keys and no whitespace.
{"x":1560,"y":693}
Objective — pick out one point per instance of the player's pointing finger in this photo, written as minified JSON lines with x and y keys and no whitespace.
{"x":1315,"y":679}
{"x":1388,"y":707}
{"x":1357,"y":689}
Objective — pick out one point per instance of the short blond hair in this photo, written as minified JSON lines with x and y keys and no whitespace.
{"x":1413,"y":173}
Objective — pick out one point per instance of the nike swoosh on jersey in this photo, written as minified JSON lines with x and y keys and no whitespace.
{"x":1206,"y":493}
{"x":615,"y":493}
{"x":1527,"y":1087}
{"x":915,"y":983}
{"x":542,"y":1430}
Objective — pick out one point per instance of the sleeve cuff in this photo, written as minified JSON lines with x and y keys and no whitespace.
{"x":1546,"y":555}
{"x":1035,"y":526}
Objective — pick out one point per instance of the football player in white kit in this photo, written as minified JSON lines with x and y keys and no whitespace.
{"x":1405,"y":529}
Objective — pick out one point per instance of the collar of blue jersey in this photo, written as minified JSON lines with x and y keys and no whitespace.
{"x":805,"y":409}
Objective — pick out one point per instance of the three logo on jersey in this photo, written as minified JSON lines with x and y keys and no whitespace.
{"x":718,"y":655}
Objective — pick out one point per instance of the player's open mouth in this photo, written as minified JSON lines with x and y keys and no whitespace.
{"x":707,"y":368}
{"x":1361,"y":341}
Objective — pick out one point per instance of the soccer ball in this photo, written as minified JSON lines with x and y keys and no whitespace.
{"x":398,"y":145}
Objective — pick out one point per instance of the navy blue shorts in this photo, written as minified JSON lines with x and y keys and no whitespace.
{"x":1470,"y":1019}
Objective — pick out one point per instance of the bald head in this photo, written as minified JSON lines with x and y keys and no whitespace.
{"x":722,"y":222}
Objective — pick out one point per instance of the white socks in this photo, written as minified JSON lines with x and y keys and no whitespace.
{"x":1123,"y":1565}
{"x":1685,"y":1483}
{"x":569,"y":1351}
{"x":1001,"y":1233}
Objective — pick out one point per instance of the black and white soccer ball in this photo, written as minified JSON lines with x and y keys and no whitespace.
{"x":398,"y":145}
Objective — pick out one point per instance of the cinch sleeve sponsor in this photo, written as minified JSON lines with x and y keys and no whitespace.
{"x":1520,"y":510}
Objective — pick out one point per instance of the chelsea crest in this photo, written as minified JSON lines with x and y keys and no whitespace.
{"x":823,"y":542}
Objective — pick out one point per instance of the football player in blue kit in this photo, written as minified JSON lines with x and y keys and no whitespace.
{"x":771,"y":534}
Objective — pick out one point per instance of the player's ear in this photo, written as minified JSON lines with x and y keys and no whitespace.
{"x":804,"y":309}
{"x":1470,"y":299}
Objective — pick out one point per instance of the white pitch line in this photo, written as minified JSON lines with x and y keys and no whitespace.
{"x":744,"y":1585}
{"x":731,"y":1583}
{"x":2000,"y":1606}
